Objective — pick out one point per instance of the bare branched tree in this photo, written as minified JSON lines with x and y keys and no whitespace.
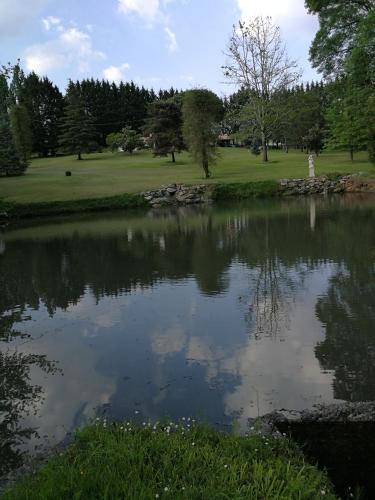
{"x":258,"y":61}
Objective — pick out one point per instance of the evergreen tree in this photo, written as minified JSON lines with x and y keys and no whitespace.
{"x":44,"y":103}
{"x":371,"y":129}
{"x":10,"y":163}
{"x":202,"y":110}
{"x":78,"y":128}
{"x":314,"y":139}
{"x":345,"y":121}
{"x":164,"y":125}
{"x":3,"y":94}
{"x":21,"y":129}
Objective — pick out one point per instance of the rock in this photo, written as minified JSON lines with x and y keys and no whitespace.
{"x":160,"y":201}
{"x":334,"y":413}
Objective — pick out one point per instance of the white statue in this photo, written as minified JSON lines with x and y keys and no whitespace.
{"x":311,"y":166}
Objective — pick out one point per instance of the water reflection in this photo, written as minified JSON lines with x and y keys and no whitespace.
{"x":20,"y":396}
{"x":223,"y":312}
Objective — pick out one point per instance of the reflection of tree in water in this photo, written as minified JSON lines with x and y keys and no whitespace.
{"x":272,"y":297}
{"x":268,"y":306}
{"x":19,"y":397}
{"x":274,"y":280}
{"x":348,"y":313}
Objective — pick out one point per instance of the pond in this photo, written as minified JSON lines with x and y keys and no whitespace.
{"x":217,"y":312}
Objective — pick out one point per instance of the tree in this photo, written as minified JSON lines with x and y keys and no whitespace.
{"x":164,"y":125}
{"x":10,"y":162}
{"x":21,"y":129}
{"x":371,"y":131}
{"x":129,"y":140}
{"x":45,"y":106}
{"x":346,"y":122}
{"x":78,"y":130}
{"x":314,"y":139}
{"x":201,"y":110}
{"x":3,"y":94}
{"x":339,"y":25}
{"x":345,"y":47}
{"x":112,"y":141}
{"x":257,"y":61}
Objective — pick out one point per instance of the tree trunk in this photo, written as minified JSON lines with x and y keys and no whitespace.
{"x":351,"y":154}
{"x":264,"y":147}
{"x":79,"y":156}
{"x":173,"y":157}
{"x":207,"y":173}
{"x":205,"y":163}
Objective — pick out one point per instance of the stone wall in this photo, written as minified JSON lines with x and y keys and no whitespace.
{"x":324,"y":185}
{"x":177,"y":195}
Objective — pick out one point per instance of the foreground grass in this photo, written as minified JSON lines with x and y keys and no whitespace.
{"x":174,"y":461}
{"x":104,"y":175}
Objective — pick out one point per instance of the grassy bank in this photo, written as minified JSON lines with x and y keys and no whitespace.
{"x":105,"y":175}
{"x":174,"y":461}
{"x":27,"y":210}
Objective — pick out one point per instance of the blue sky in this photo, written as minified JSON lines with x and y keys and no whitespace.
{"x":156,"y":43}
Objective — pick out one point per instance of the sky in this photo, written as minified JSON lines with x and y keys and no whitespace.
{"x":155,"y":43}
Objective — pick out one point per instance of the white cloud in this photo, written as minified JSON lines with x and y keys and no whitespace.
{"x":291,"y":15}
{"x":172,"y":41}
{"x":115,"y":73}
{"x":146,"y":9}
{"x":14,"y":15}
{"x":151,"y":11}
{"x":71,"y":47}
{"x":187,"y":78}
{"x":275,"y":8}
{"x":50,"y":22}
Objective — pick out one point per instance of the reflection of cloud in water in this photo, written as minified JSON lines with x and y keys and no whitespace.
{"x":69,"y":399}
{"x":203,"y":339}
{"x":278,"y":373}
{"x":200,"y":350}
{"x":171,"y":341}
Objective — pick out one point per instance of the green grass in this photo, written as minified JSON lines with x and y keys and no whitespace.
{"x":104,"y":175}
{"x":124,"y":461}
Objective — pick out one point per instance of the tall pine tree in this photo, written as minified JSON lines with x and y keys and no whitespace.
{"x":164,"y":125}
{"x":21,"y":128}
{"x":78,"y":128}
{"x":10,"y":163}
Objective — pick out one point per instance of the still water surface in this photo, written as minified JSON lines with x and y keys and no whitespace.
{"x":223,"y":313}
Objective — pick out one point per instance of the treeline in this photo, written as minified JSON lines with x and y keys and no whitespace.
{"x":33,"y":113}
{"x":271,"y":109}
{"x":298,"y":118}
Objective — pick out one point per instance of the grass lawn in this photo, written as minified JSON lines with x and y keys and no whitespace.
{"x":107,"y":174}
{"x":124,"y":461}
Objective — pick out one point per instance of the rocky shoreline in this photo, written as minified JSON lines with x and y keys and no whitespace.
{"x":181,"y":195}
{"x":338,"y":437}
{"x":324,"y":185}
{"x":344,"y":413}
